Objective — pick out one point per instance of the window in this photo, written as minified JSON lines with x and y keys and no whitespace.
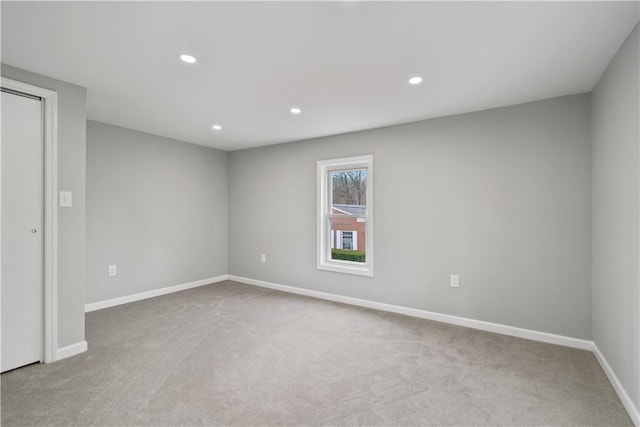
{"x":345,"y":215}
{"x":347,"y":240}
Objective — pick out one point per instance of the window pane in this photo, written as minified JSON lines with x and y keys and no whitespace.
{"x":348,"y":239}
{"x":349,"y":192}
{"x":349,"y":198}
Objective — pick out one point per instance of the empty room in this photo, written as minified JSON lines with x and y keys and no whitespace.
{"x":320,"y":213}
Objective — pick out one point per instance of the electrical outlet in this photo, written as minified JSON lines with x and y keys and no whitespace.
{"x":454,"y":280}
{"x":263,"y":258}
{"x":113,"y":271}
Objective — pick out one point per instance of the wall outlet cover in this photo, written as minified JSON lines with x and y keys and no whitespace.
{"x":454,"y":281}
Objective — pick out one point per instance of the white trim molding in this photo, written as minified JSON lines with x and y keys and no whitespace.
{"x":50,"y":116}
{"x":71,"y":350}
{"x":429,"y":315}
{"x":632,"y":409}
{"x":153,"y":293}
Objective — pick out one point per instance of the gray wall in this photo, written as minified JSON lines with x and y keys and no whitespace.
{"x":616,"y":192}
{"x":157,"y":208}
{"x":71,"y":221}
{"x":501,"y":197}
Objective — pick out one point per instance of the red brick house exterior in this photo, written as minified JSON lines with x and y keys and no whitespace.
{"x":348,"y":233}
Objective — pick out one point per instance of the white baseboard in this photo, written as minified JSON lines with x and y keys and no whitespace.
{"x":430,"y":315}
{"x":71,"y":350}
{"x":631,"y":408}
{"x":150,"y":294}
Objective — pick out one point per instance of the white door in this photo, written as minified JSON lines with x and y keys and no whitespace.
{"x":22,"y":230}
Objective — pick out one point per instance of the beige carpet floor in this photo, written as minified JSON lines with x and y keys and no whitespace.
{"x":232,"y":354}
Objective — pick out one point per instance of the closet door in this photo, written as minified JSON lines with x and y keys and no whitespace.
{"x":22,"y":230}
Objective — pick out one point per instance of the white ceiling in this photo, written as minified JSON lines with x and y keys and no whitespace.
{"x":346,"y":64}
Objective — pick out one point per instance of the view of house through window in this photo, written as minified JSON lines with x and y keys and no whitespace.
{"x":345,"y":215}
{"x":348,"y":214}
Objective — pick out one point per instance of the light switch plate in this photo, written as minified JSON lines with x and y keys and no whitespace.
{"x":454,"y":281}
{"x":66,"y":199}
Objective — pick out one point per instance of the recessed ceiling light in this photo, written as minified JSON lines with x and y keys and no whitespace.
{"x":216,"y":127}
{"x":415,"y":80}
{"x":188,"y":58}
{"x":295,"y":110}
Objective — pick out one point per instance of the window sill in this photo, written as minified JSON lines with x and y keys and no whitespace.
{"x":347,"y":267}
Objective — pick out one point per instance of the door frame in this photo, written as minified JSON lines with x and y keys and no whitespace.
{"x":50,"y":279}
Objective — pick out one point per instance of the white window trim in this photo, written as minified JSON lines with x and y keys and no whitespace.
{"x":324,"y":261}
